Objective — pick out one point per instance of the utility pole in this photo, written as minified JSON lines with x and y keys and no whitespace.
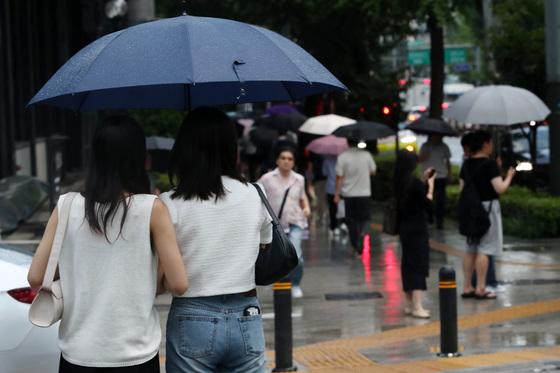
{"x":552,"y":22}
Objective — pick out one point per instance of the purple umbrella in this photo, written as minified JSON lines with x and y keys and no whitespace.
{"x":281,"y":109}
{"x":328,"y":145}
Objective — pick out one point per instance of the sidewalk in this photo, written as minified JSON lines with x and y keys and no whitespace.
{"x":351,"y":316}
{"x":342,"y":325}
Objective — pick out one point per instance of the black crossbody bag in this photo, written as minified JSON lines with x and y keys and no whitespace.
{"x":278,"y":259}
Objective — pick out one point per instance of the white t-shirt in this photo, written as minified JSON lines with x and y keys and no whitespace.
{"x":356,"y":166}
{"x":219,"y":241}
{"x":438,"y":158}
{"x":109,"y":319}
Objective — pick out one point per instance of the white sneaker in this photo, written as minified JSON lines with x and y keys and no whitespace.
{"x":344,"y":227}
{"x":496,"y":289}
{"x":336,"y":232}
{"x":296,"y":292}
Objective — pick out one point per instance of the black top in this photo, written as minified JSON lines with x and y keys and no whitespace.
{"x":482,"y":170}
{"x":415,"y":201}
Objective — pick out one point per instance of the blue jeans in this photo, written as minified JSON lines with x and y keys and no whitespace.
{"x":294,"y":235}
{"x":211,"y":334}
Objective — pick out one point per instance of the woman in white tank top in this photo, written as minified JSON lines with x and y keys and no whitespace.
{"x":108,"y":269}
{"x":216,"y":325}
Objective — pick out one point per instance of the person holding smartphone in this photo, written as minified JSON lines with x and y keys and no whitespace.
{"x":436,"y":154}
{"x":414,"y":197}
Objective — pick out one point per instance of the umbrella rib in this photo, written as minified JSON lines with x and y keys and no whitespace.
{"x":287,"y":90}
{"x":83,"y":100}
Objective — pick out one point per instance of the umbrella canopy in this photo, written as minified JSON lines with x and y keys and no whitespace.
{"x":263,"y":137}
{"x":429,"y":126}
{"x":366,"y":131}
{"x":159,"y":143}
{"x":282,"y":122}
{"x":281,"y":109}
{"x":497,"y":105}
{"x":184,"y":62}
{"x":328,"y":145}
{"x":325,"y":124}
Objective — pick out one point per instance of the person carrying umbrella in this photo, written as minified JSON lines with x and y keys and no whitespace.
{"x":483,"y":174}
{"x":353,"y":170}
{"x":436,"y":154}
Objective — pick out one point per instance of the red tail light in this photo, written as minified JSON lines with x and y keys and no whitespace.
{"x":23,"y":295}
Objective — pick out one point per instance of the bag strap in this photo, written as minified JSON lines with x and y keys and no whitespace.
{"x":283,"y":203}
{"x":58,"y":239}
{"x":275,"y":220}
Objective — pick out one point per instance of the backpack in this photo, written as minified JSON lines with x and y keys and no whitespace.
{"x":474,"y":220}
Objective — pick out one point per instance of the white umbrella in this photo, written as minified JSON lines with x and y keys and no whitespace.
{"x":497,"y":105}
{"x":325,"y":124}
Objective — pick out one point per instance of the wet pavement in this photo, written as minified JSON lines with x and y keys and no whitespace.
{"x":351,"y":315}
{"x":347,"y":297}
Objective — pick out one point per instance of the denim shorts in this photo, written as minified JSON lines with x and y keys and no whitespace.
{"x":212,"y":334}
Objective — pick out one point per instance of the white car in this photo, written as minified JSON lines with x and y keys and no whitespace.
{"x":24,"y":348}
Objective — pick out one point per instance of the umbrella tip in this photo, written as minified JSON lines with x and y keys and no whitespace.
{"x":184,"y":6}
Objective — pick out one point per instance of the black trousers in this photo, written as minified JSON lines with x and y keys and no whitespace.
{"x":440,"y":199}
{"x":333,"y":209}
{"x":150,"y":366}
{"x":358,"y":211}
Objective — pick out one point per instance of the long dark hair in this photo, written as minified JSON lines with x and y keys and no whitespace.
{"x":204,"y":151}
{"x":117,"y":168}
{"x":404,"y":173}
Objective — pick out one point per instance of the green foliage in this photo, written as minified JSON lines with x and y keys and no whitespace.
{"x":157,"y":122}
{"x":518,"y":43}
{"x":382,"y":182}
{"x":161,"y":181}
{"x":524,"y":213}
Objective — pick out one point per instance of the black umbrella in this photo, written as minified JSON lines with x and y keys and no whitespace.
{"x":263,"y":137}
{"x":366,"y":131}
{"x":428,"y":126}
{"x":282,"y":122}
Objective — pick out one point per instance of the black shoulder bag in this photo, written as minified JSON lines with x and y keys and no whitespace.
{"x":278,"y":259}
{"x":474,"y":220}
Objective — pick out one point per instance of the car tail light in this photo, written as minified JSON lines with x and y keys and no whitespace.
{"x":24,"y":295}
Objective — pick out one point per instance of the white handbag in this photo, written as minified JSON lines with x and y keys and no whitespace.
{"x":47,"y":306}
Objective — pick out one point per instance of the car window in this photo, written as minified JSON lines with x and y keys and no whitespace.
{"x":15,"y":256}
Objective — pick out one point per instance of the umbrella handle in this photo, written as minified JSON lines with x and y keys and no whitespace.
{"x":235,"y":65}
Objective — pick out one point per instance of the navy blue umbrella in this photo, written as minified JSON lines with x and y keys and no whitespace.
{"x":184,"y":62}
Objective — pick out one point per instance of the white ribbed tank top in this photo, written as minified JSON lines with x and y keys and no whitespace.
{"x":109,"y":319}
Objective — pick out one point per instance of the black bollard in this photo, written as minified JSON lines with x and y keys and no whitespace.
{"x":448,"y":313}
{"x":283,"y":327}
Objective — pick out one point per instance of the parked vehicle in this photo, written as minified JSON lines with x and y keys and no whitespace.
{"x":24,"y":348}
{"x":516,"y":152}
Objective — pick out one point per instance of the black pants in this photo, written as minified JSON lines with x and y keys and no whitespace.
{"x":358,"y":211}
{"x":150,"y":366}
{"x":440,"y":199}
{"x":333,"y":209}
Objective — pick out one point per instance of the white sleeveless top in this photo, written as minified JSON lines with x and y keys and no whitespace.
{"x":219,"y":241}
{"x":109,"y":319}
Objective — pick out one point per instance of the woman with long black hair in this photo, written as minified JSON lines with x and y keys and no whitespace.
{"x":108,"y":266}
{"x":414,"y":197}
{"x":221,"y":222}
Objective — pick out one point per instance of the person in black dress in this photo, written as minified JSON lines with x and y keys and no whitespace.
{"x":414,"y":198}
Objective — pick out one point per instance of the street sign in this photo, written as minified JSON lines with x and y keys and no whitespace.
{"x":452,"y":56}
